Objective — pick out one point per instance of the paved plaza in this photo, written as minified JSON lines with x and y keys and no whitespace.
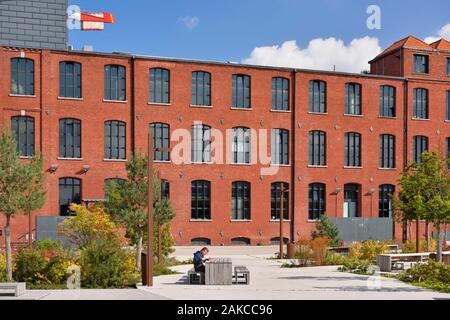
{"x":268,"y":282}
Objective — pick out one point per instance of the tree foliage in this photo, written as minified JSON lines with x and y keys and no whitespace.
{"x":324,"y":228}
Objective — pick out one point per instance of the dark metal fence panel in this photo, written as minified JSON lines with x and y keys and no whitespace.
{"x":360,"y":229}
{"x":47,"y":228}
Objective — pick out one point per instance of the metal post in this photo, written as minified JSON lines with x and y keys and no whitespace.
{"x":149,"y":273}
{"x":281,"y":223}
{"x":30,"y":229}
{"x":159,"y":220}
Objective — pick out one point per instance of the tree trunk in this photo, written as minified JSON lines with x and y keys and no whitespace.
{"x":427,"y":236}
{"x":439,"y":243}
{"x":417,"y":235}
{"x":139,"y":251}
{"x":30,"y":229}
{"x":159,"y":242}
{"x":8,"y":250}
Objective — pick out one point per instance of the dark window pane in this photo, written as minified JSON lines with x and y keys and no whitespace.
{"x":420,"y":63}
{"x":201,"y":144}
{"x":201,"y":200}
{"x":351,"y":200}
{"x":69,"y":138}
{"x":241,"y":145}
{"x":161,"y":139}
{"x":23,"y":131}
{"x":387,"y":151}
{"x":201,"y":88}
{"x":352,"y":149}
{"x":420,"y":145}
{"x":420,"y":103}
{"x":115,"y":83}
{"x":69,"y":192}
{"x":316,"y":201}
{"x":280,"y":94}
{"x":317,"y":148}
{"x":276,"y":201}
{"x":115,"y":140}
{"x":317,"y":96}
{"x":353,"y":99}
{"x":159,"y":86}
{"x":241,"y":91}
{"x":240,"y":200}
{"x":22,"y":76}
{"x":385,"y":203}
{"x":280,"y":147}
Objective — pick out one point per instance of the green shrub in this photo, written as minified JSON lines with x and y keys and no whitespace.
{"x":355,"y":266}
{"x":429,"y":272}
{"x":334,"y":259}
{"x":29,"y":264}
{"x":2,"y":267}
{"x":410,"y":246}
{"x":367,"y":250}
{"x":104,"y":264}
{"x":326,"y":229}
{"x":161,"y":270}
{"x":48,"y":244}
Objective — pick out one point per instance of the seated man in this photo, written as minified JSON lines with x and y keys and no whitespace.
{"x":199,"y":260}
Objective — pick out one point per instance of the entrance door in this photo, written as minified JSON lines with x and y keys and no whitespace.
{"x":351,"y":201}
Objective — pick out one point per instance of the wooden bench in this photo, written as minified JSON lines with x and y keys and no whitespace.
{"x":388,"y":262}
{"x":195,"y":277}
{"x":18,"y":287}
{"x":241,"y":275}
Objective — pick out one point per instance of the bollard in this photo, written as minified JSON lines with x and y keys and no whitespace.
{"x":144,"y":268}
{"x":290,"y":250}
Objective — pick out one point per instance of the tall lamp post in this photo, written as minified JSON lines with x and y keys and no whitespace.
{"x":282,"y":192}
{"x":150,"y":253}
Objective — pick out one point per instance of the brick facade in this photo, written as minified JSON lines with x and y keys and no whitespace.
{"x":47,"y":109}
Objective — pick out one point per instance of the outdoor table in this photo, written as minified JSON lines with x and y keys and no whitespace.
{"x":218,"y":271}
{"x":384,"y":261}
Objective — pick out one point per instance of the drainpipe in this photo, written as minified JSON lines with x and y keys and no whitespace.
{"x":133,"y":105}
{"x":293,"y":162}
{"x":405,"y":144}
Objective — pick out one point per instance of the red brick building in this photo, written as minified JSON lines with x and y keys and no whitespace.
{"x":341,"y":139}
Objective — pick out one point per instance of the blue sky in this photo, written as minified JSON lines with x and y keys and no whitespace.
{"x":231,"y":29}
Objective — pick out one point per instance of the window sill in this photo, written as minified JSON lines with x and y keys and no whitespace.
{"x":280,"y":111}
{"x":354,"y":115}
{"x":162,"y":161}
{"x":357,"y":168}
{"x":312,"y":221}
{"x":241,"y":164}
{"x":278,"y":220}
{"x":318,"y":113}
{"x":159,"y":104}
{"x":70,"y":159}
{"x":200,"y":220}
{"x":200,"y":163}
{"x":387,"y":169}
{"x":200,"y":106}
{"x":26,"y":157}
{"x":115,"y":101}
{"x":280,"y":165}
{"x":240,"y":221}
{"x":421,"y":73}
{"x":387,"y":118}
{"x":22,"y":95}
{"x":317,"y":167}
{"x":242,"y":109}
{"x":419,"y":119}
{"x":447,"y":121}
{"x":71,"y":99}
{"x":115,"y":160}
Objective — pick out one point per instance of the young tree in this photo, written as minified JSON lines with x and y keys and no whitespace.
{"x":20,"y":187}
{"x":127,"y":203}
{"x":426,"y":193}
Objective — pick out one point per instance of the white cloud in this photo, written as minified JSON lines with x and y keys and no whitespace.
{"x":190,"y":22}
{"x":321,"y":54}
{"x":443,"y":33}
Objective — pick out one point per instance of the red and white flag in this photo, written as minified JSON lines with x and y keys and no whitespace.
{"x":92,"y":21}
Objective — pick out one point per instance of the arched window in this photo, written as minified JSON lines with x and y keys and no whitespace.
{"x":420,"y":103}
{"x":352,"y":149}
{"x":353,"y":99}
{"x":387,"y":101}
{"x":240,"y":200}
{"x":22,"y":76}
{"x":115,"y":140}
{"x":201,"y":143}
{"x":420,"y":145}
{"x":280,"y":94}
{"x":159,"y":85}
{"x":115,"y":83}
{"x":280,"y":147}
{"x":352,"y":201}
{"x":69,"y":79}
{"x":387,"y":151}
{"x":241,"y":91}
{"x":70,"y":138}
{"x":385,"y":204}
{"x":201,"y":88}
{"x":201,"y":200}
{"x":317,"y":148}
{"x":316,"y":201}
{"x":317,"y":96}
{"x":69,"y":192}
{"x":241,"y":145}
{"x":23,"y":131}
{"x":161,"y":139}
{"x":275,"y":200}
